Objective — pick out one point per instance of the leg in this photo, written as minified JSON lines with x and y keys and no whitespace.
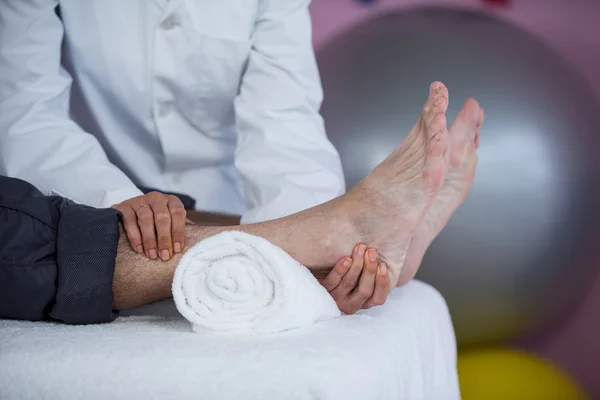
{"x":139,"y":280}
{"x":213,"y":219}
{"x":394,"y":198}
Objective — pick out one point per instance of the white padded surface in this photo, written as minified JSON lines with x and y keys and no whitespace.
{"x":403,"y":350}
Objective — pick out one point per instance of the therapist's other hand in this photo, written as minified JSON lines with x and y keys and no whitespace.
{"x":358,"y":282}
{"x":155,"y":224}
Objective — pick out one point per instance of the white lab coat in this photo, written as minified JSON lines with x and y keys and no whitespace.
{"x":215,"y":99}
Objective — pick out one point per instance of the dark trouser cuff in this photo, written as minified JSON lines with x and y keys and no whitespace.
{"x":86,"y":252}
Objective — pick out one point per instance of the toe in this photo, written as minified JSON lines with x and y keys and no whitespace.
{"x":436,"y":125}
{"x":472,"y":111}
{"x":440,"y":101}
{"x":474,"y":115}
{"x":436,"y":133}
{"x":434,"y":117}
{"x":481,"y":117}
{"x":479,"y":123}
{"x":466,"y":123}
{"x":437,"y":101}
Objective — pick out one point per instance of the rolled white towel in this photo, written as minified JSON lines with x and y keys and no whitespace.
{"x":239,"y":283}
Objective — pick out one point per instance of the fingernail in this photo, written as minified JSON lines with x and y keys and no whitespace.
{"x":382,"y":269}
{"x":347,"y":263}
{"x":177,"y":247}
{"x":361,"y":250}
{"x":372,"y":255}
{"x":152,"y":254}
{"x":164,"y":254}
{"x":431,"y":87}
{"x":139,"y":249}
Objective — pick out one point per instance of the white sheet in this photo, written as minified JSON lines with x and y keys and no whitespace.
{"x":403,"y":350}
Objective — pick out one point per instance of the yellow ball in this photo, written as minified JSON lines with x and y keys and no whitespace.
{"x":504,"y":374}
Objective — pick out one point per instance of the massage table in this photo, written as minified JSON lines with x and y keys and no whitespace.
{"x":405,"y":349}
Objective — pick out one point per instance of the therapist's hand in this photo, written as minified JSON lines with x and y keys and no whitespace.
{"x":359,"y":282}
{"x":155,"y":224}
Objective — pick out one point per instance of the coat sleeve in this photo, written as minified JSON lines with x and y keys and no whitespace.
{"x":38,"y":140}
{"x":57,"y":258}
{"x":284,"y":157}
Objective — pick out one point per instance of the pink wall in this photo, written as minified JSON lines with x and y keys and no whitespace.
{"x":572,"y":28}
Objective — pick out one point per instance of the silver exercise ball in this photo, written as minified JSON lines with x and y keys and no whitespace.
{"x":518,"y":251}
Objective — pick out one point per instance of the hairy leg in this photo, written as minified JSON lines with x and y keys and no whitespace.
{"x":204,"y":218}
{"x":314,"y":237}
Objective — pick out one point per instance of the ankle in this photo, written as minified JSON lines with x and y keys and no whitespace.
{"x":345,"y":218}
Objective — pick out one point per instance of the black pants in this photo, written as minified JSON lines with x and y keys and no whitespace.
{"x":57,"y":258}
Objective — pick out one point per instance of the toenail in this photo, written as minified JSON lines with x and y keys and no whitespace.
{"x":347,"y":262}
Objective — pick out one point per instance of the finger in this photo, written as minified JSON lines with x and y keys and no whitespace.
{"x":178,"y":222}
{"x":162,"y":220}
{"x":145,"y":221}
{"x":320,"y":274}
{"x":382,"y":287}
{"x":366,"y":286}
{"x":333,"y":279}
{"x":132,"y":230}
{"x":350,"y":280}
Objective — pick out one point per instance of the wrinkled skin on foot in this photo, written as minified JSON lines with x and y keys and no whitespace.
{"x":464,"y":141}
{"x":388,"y":206}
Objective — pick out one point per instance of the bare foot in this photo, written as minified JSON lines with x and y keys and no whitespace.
{"x":387,"y":207}
{"x":464,"y":140}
